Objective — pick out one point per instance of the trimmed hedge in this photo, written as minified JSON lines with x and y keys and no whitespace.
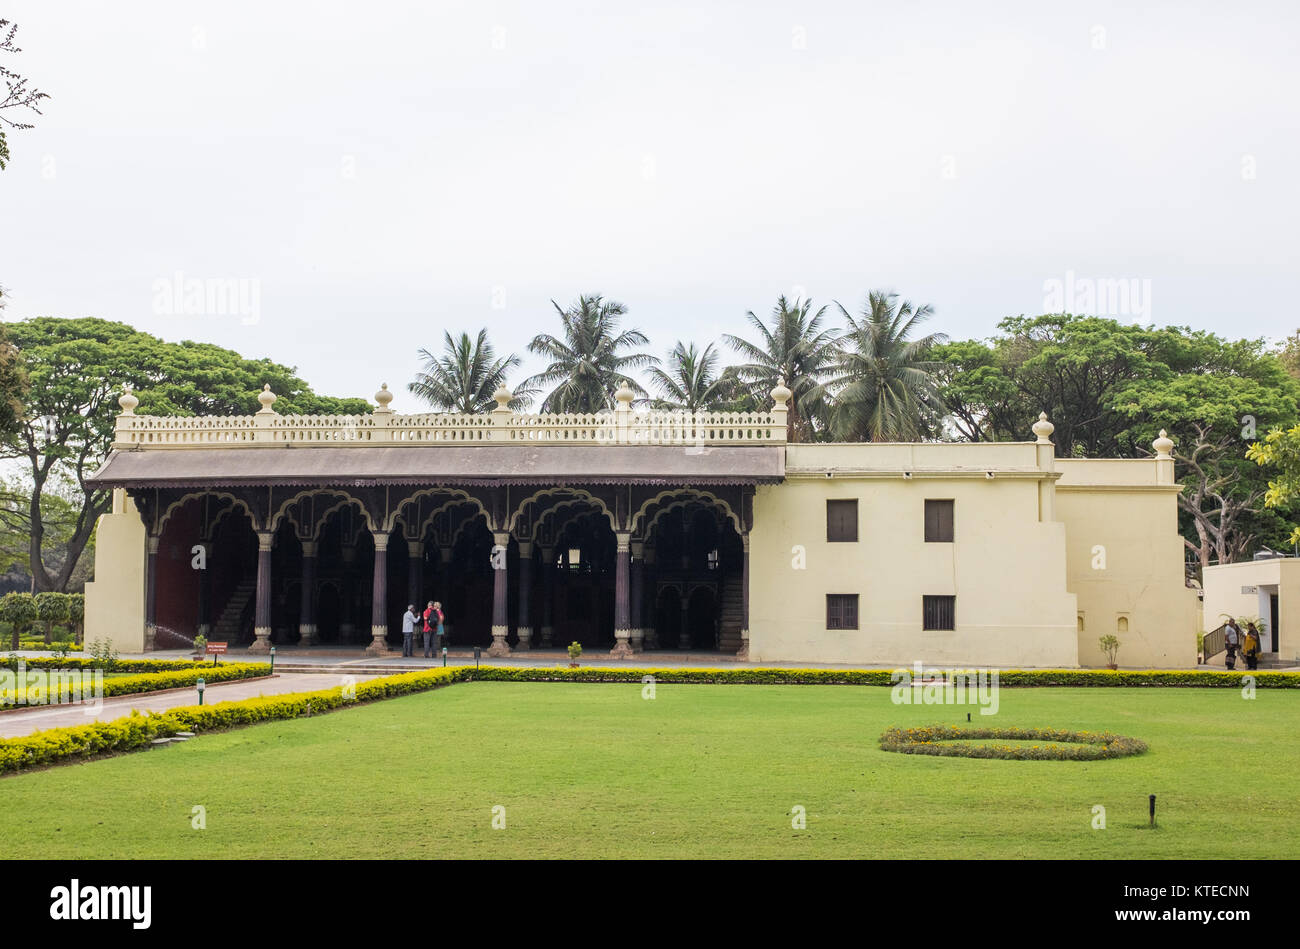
{"x":138,"y":731}
{"x":122,"y":665}
{"x":1062,"y":745}
{"x":1012,"y":678}
{"x":157,"y":681}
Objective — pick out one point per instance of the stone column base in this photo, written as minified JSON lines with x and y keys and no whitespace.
{"x":651,"y":638}
{"x":150,"y":637}
{"x":205,"y":630}
{"x":310,"y":637}
{"x":622,"y":647}
{"x":638,"y":639}
{"x":684,"y":641}
{"x":262,"y":644}
{"x":547,"y":635}
{"x":378,"y":645}
{"x":525,"y":639}
{"x":499,"y":645}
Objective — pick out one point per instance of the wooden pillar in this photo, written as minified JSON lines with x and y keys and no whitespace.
{"x":684,"y":635}
{"x":151,"y":594}
{"x":379,"y":599}
{"x":307,"y":609}
{"x":651,"y":630}
{"x":744,"y":599}
{"x":548,"y":594}
{"x":262,"y":620}
{"x":205,"y":593}
{"x":415,"y":575}
{"x":525,"y":622}
{"x":622,"y":597}
{"x":347,"y":586}
{"x":637,"y":595}
{"x":500,"y":580}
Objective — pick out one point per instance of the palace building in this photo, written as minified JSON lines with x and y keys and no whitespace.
{"x":632,"y":531}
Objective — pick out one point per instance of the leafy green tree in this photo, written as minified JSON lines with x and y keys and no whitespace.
{"x":77,"y":614}
{"x":464,"y":378}
{"x":792,"y":346}
{"x":18,"y":95}
{"x":885,"y":385}
{"x":19,"y":611}
{"x":51,"y":609}
{"x":591,"y":358}
{"x":691,"y":381}
{"x":76,"y":369}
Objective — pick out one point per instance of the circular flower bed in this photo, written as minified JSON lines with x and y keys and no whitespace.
{"x":1055,"y":744}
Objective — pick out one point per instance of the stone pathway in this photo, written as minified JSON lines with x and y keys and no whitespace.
{"x":25,"y":721}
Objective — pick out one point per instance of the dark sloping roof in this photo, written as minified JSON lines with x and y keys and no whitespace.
{"x":358,"y":466}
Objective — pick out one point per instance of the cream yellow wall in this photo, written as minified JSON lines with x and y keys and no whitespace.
{"x":1125,"y":559}
{"x":115,"y":598}
{"x":1006,"y":567}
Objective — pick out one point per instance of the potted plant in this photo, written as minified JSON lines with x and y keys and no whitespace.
{"x":1110,"y":646}
{"x":200,"y":646}
{"x":575,"y":650}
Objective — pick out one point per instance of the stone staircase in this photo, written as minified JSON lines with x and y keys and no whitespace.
{"x":229,"y":625}
{"x":731,"y":615}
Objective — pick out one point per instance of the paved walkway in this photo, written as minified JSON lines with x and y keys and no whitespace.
{"x":25,"y":721}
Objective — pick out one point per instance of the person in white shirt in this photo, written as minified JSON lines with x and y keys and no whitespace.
{"x":1231,"y":643}
{"x":408,"y":631}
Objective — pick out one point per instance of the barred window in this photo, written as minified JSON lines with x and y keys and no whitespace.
{"x":841,"y":611}
{"x":938,"y":612}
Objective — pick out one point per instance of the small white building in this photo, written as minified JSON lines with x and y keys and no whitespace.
{"x":1265,"y":590}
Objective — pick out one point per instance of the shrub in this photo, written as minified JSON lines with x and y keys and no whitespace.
{"x":104,"y":655}
{"x":76,"y":613}
{"x":1061,"y":745}
{"x":19,"y":611}
{"x":51,"y":608}
{"x":1110,"y":646}
{"x":123,"y":665}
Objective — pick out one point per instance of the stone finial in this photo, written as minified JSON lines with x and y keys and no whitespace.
{"x":781,"y":394}
{"x":1163,"y":445}
{"x":1043,"y":429}
{"x":503,"y":397}
{"x":267,"y":398}
{"x":128,"y":401}
{"x":624,"y":395}
{"x":383,"y":397}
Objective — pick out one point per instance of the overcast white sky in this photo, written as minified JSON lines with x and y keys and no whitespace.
{"x":383,"y":171}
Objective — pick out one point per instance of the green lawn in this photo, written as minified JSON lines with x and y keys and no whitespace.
{"x":712,"y":771}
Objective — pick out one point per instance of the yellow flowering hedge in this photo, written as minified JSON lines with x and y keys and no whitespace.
{"x":1059,"y":744}
{"x":151,"y":682}
{"x":1011,"y":678}
{"x":137,"y":731}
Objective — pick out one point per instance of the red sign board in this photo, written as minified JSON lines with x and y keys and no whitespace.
{"x":215,"y":649}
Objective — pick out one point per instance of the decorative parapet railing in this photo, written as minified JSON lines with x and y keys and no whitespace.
{"x":621,"y":426}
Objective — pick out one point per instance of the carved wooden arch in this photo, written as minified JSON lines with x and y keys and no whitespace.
{"x":572,"y":508}
{"x":319,"y":518}
{"x":694,"y":494}
{"x":460,"y":528}
{"x":206,"y":531}
{"x":348,"y":500}
{"x":459,"y":496}
{"x":566,"y":494}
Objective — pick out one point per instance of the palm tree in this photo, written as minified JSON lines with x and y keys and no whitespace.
{"x":592,"y":358}
{"x":692,"y":382}
{"x":793,"y":348}
{"x":885,"y":389}
{"x":466,"y":375}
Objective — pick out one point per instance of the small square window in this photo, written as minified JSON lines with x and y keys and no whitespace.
{"x":938,"y":612}
{"x":841,"y":611}
{"x":938,"y":521}
{"x":842,"y":521}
